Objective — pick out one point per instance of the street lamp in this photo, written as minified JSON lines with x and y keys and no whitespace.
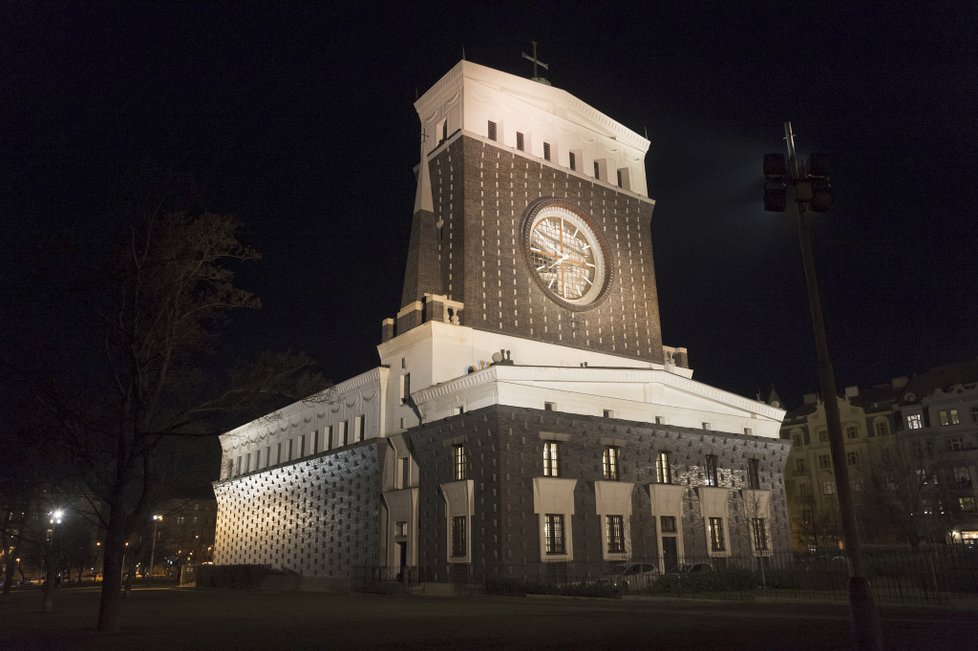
{"x":811,"y":192}
{"x":152,"y":553}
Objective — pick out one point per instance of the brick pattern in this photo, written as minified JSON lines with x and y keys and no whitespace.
{"x":319,"y":516}
{"x":505,"y":452}
{"x":481,"y":193}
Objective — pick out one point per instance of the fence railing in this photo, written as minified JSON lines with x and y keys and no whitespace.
{"x":925,"y":576}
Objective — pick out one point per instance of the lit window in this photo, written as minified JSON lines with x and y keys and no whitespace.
{"x":759,"y":530}
{"x":615,"y":525}
{"x":459,"y":543}
{"x":492,"y":130}
{"x":663,"y":472}
{"x":824,"y":461}
{"x":754,"y":473}
{"x":717,"y":542}
{"x":949,"y":417}
{"x":915,"y":421}
{"x":852,"y":458}
{"x":852,"y":432}
{"x":610,"y":462}
{"x":553,"y":533}
{"x":458,"y":454}
{"x":712,"y":477}
{"x":550,"y":465}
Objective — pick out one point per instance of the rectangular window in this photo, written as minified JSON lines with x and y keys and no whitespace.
{"x":343,"y":432}
{"x":546,"y":151}
{"x":358,"y":428}
{"x":717,"y":542}
{"x":754,"y":474}
{"x":967,"y":504}
{"x":278,"y":453}
{"x":852,"y":458}
{"x":799,"y":466}
{"x":974,"y":414}
{"x":852,"y":432}
{"x":857,"y":484}
{"x":882,"y":428}
{"x":824,"y":461}
{"x":268,"y":456}
{"x":608,"y":413}
{"x":520,"y":141}
{"x":459,"y":542}
{"x":550,"y":464}
{"x":492,"y":130}
{"x":962,"y":477}
{"x":553,"y":533}
{"x":597,"y":171}
{"x":549,"y":406}
{"x":823,"y":436}
{"x":759,"y":527}
{"x":712,"y":477}
{"x":405,"y":387}
{"x":955,"y":444}
{"x":668,"y":523}
{"x":572,"y":160}
{"x":330,"y":441}
{"x":458,"y":456}
{"x":609,"y":462}
{"x":291,"y":449}
{"x":615,"y":525}
{"x":914,"y":421}
{"x":619,"y":179}
{"x":828,"y":487}
{"x":237,"y":471}
{"x":302,"y":445}
{"x":405,"y":470}
{"x":315,"y":441}
{"x":663,"y":472}
{"x":401,"y":528}
{"x":248,"y":462}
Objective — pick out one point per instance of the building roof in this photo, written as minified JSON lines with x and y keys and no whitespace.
{"x":939,"y":377}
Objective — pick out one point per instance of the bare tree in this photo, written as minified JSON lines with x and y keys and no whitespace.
{"x":908,"y":496}
{"x":160,"y":307}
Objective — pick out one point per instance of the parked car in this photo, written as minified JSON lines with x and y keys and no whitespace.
{"x":632,"y":576}
{"x":695,"y":567}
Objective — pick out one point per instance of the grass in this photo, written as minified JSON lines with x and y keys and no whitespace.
{"x":224,"y":619}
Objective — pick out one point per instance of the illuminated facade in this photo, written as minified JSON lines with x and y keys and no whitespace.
{"x":525,"y":409}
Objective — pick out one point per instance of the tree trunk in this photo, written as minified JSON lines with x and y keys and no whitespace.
{"x":109,"y":611}
{"x":51,"y":582}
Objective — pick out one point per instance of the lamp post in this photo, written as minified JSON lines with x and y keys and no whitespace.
{"x":811,"y":192}
{"x":152,"y":553}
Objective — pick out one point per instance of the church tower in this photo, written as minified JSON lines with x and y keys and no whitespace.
{"x":532,"y":212}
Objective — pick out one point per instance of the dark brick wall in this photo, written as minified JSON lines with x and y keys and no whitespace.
{"x":505,"y":453}
{"x":481,"y":193}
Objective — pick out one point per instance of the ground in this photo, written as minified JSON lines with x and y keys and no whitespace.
{"x":172,"y":618}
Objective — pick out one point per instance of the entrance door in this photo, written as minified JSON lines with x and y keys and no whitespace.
{"x":402,"y":566}
{"x":670,"y":553}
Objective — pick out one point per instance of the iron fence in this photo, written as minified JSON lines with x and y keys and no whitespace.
{"x":924,"y":576}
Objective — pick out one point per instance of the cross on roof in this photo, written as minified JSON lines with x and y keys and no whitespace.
{"x":536,"y":62}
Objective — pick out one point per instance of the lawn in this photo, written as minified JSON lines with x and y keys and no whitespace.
{"x":224,"y":619}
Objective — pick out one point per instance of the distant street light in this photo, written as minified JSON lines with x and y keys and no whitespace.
{"x":152,"y":553}
{"x":811,"y":192}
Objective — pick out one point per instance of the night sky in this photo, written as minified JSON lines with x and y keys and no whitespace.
{"x":298,"y":118}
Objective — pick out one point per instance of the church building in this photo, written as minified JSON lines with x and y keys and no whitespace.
{"x":525,"y":412}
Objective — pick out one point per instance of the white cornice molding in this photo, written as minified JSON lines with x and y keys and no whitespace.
{"x":592,"y":375}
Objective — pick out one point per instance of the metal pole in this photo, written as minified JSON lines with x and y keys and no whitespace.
{"x":152,"y":547}
{"x":866,"y":632}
